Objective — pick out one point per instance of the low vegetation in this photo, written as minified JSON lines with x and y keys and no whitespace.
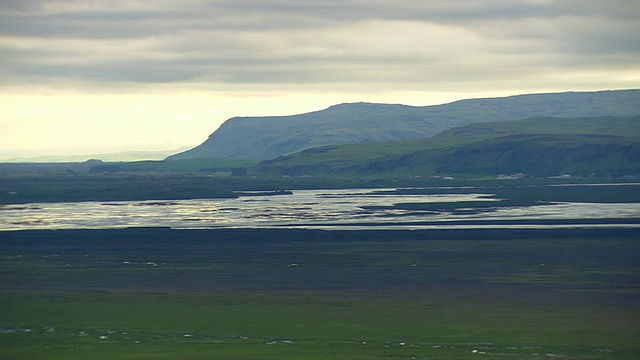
{"x":293,"y":294}
{"x":596,"y":147}
{"x":59,"y":183}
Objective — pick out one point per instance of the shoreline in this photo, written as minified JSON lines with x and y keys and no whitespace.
{"x":479,"y":233}
{"x":369,"y":233}
{"x":612,"y":224}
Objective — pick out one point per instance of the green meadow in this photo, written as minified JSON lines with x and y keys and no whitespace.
{"x":310,"y":326}
{"x":295,"y":294}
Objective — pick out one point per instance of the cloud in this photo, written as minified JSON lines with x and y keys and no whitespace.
{"x":408,"y":43}
{"x":78,"y":72}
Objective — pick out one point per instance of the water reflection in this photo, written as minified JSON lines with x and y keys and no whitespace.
{"x":325,"y":209}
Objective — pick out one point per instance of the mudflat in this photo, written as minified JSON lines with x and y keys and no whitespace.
{"x":162,"y":293}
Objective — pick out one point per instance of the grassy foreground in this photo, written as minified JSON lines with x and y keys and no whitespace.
{"x":290,"y":294}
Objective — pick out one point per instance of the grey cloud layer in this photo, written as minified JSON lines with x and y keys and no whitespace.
{"x":311,"y":42}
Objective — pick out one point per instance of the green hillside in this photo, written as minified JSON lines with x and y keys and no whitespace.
{"x":269,"y":137}
{"x":602,"y":146}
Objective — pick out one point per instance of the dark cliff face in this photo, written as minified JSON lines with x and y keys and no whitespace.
{"x":270,"y":137}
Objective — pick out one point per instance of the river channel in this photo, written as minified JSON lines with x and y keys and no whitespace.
{"x":353,"y":209}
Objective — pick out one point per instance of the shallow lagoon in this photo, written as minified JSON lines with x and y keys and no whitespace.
{"x":320,"y":209}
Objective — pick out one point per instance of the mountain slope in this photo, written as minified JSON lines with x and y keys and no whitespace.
{"x":269,"y":137}
{"x":538,"y":146}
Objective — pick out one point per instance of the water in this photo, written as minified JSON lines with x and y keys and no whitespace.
{"x":317,"y":209}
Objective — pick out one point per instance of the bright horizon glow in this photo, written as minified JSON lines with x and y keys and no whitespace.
{"x":100,"y":77}
{"x":188,"y":117}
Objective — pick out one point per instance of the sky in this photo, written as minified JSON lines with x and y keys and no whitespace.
{"x":96,"y":76}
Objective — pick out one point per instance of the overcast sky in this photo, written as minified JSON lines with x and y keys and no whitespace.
{"x":100,"y":75}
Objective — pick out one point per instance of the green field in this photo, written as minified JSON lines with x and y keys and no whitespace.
{"x":294,"y":294}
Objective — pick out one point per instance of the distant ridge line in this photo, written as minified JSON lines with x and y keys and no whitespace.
{"x":264,"y":138}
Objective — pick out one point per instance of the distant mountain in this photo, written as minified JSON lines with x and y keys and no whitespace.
{"x":117,"y":156}
{"x":270,"y":137}
{"x":547,"y":146}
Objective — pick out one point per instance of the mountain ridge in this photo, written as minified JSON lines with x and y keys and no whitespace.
{"x":266,"y":138}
